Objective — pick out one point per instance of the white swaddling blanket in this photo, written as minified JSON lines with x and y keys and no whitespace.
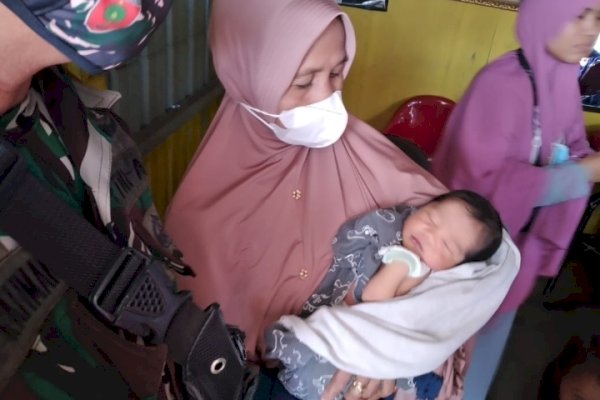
{"x":414,"y":334}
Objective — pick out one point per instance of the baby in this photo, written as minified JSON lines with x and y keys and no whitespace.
{"x":381,"y":255}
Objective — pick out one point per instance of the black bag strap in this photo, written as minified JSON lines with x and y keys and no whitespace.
{"x":536,"y":142}
{"x":527,"y":68}
{"x":49,"y":229}
{"x":127,"y":288}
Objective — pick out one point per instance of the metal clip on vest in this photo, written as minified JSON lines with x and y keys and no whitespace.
{"x":137,"y":295}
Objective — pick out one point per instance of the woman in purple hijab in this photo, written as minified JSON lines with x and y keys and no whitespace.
{"x":517,"y":137}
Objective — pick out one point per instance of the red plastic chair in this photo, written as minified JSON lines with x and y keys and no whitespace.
{"x":594,"y":139}
{"x":421,"y":119}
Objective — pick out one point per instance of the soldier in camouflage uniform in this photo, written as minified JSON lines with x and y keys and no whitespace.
{"x":53,"y":347}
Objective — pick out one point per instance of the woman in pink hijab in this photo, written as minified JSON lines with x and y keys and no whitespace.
{"x":518,"y":138}
{"x":260,"y":204}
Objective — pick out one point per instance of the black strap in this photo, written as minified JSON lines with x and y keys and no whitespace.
{"x":49,"y":229}
{"x":527,"y":68}
{"x":127,"y":288}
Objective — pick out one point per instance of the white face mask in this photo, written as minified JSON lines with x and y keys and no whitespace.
{"x":316,"y":125}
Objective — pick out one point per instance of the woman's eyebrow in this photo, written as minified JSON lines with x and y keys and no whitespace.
{"x":310,"y":71}
{"x":588,"y":10}
{"x":344,"y":60}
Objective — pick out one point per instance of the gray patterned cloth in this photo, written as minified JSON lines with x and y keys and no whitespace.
{"x":304,"y":373}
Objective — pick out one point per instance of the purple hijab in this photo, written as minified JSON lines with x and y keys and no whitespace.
{"x":487,"y":142}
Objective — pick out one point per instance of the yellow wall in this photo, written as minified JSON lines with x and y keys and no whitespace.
{"x":423,"y":47}
{"x":95,"y":81}
{"x":168,"y":162}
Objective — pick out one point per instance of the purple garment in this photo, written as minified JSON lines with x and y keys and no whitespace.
{"x":487,"y":142}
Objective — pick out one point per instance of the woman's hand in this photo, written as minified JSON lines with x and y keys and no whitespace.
{"x":359,"y":389}
{"x":592,"y":164}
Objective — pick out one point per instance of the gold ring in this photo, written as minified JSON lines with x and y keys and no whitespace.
{"x":358,"y":387}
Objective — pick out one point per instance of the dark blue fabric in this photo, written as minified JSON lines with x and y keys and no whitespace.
{"x":113,"y":40}
{"x":428,"y":386}
{"x":269,"y":387}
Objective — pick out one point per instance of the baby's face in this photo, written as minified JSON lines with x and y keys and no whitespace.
{"x":442,"y":233}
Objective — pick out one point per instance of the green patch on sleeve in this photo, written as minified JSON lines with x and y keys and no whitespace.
{"x":43,"y":389}
{"x":146,"y":200}
{"x":52,"y":141}
{"x":9,"y":116}
{"x":63,"y":192}
{"x":64,"y":323}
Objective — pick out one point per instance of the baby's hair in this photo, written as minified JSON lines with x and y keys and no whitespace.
{"x":579,"y":356}
{"x":483,"y":211}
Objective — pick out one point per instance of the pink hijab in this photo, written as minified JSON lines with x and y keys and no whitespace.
{"x":487,"y":143}
{"x":254,"y":216}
